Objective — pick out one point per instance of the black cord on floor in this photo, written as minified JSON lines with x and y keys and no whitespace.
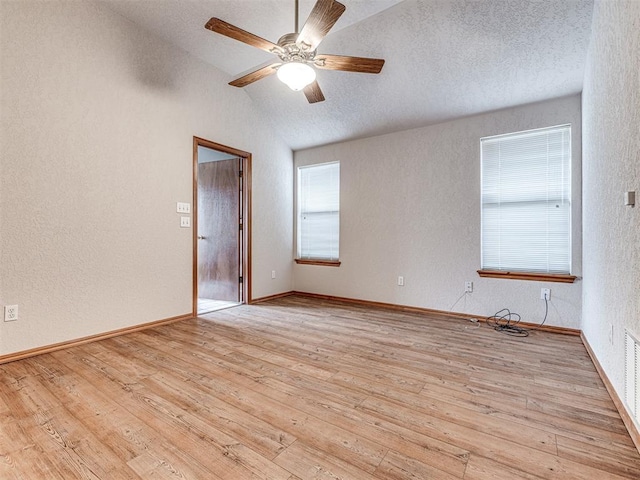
{"x":506,"y":321}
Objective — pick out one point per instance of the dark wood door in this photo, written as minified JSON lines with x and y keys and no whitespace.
{"x":218,"y":230}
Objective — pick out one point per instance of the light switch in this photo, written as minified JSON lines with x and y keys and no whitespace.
{"x":630,"y":198}
{"x":185,"y":222}
{"x":183,"y":207}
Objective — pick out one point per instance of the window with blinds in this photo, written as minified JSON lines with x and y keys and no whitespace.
{"x":526,"y":201}
{"x":319,"y":212}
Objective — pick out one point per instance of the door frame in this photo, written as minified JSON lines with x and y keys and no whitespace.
{"x":245,"y":237}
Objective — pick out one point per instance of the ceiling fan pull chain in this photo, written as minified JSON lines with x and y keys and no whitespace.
{"x":296,"y":30}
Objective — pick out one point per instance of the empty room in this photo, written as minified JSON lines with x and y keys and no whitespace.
{"x":311,"y":239}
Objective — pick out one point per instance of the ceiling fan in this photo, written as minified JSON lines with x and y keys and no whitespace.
{"x":297,"y":51}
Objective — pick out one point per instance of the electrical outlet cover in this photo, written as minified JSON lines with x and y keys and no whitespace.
{"x":10,"y":313}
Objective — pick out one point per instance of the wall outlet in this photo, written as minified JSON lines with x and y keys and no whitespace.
{"x":545,"y":294}
{"x":401,"y":281}
{"x":10,"y":313}
{"x":468,"y":287}
{"x":273,"y":274}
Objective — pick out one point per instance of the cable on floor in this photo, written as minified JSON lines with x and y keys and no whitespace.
{"x":506,"y":321}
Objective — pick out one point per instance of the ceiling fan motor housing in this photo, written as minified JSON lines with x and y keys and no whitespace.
{"x":294,"y":52}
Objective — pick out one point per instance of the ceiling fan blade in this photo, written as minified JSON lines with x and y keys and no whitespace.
{"x":324,"y":15}
{"x":231,"y":31}
{"x":349,"y":64}
{"x":313,"y":93}
{"x":255,"y":75}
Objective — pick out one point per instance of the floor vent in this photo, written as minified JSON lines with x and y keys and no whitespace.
{"x":632,"y":375}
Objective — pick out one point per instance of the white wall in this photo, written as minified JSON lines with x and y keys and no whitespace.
{"x":97,"y":125}
{"x":410,"y":206}
{"x":611,"y":115}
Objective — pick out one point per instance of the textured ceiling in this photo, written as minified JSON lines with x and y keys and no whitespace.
{"x":444,"y":58}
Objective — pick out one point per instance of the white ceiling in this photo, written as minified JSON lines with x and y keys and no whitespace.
{"x":445,"y":59}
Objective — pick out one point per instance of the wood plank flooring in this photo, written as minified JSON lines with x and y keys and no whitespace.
{"x":206,"y":305}
{"x":297,"y":388}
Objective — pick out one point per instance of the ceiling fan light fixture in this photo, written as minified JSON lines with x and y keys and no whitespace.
{"x":296,"y":75}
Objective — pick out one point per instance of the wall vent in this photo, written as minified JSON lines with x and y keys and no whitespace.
{"x":632,"y":375}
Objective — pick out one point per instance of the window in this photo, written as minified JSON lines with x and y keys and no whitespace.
{"x":526,"y":202}
{"x":319,"y":213}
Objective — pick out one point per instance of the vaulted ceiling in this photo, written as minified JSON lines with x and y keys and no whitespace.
{"x":445,"y":59}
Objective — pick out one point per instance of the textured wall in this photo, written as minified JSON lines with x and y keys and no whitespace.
{"x":410,"y":206}
{"x":96,"y":130}
{"x":611,"y":115}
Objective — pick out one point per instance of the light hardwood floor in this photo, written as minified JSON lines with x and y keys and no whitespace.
{"x":206,"y":305}
{"x":307,"y":389}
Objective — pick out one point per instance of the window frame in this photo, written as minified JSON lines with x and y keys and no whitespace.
{"x":523,"y":274}
{"x":298,"y":257}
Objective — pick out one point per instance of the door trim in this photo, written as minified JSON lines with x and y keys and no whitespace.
{"x":246,"y":217}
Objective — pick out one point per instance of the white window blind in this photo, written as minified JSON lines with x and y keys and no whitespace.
{"x":526,"y":201}
{"x":319,"y":211}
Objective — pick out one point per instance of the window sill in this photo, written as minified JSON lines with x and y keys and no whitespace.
{"x":539,"y":277}
{"x":326,"y":263}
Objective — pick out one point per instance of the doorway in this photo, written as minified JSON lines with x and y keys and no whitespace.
{"x":221,"y":230}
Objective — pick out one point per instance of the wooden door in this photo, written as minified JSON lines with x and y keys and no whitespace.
{"x":219,"y":194}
